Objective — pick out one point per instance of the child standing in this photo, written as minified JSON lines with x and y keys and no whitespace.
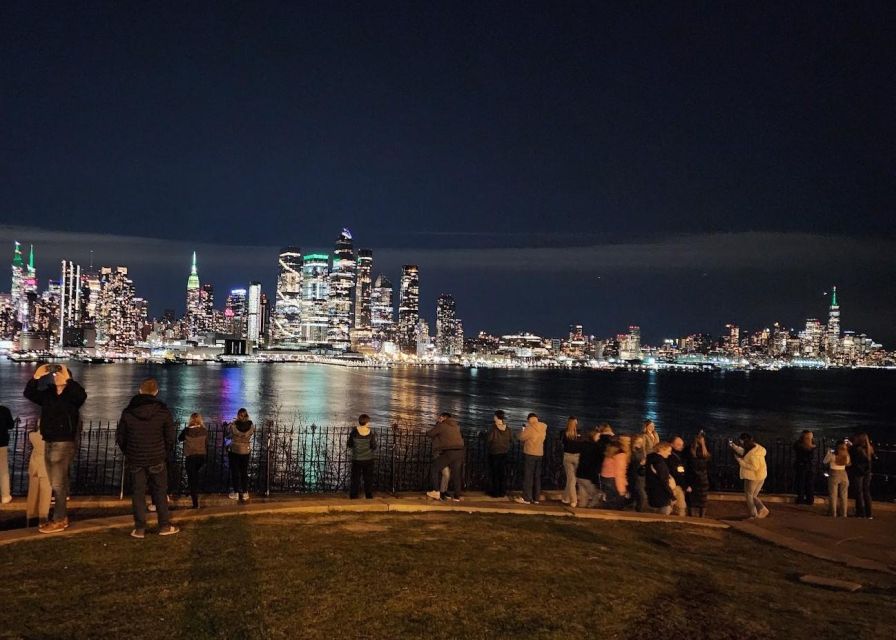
{"x":362,"y":444}
{"x":39,"y":490}
{"x":195,"y":438}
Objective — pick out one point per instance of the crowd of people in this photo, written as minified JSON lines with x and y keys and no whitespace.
{"x":846,"y":463}
{"x":602,"y":469}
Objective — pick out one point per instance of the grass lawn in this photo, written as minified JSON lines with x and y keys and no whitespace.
{"x":429,"y":576}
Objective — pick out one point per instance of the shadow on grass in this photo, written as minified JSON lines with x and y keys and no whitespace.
{"x":224,"y":593}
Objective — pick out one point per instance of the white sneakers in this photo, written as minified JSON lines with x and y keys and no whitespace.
{"x":435,"y":495}
{"x":233,"y":495}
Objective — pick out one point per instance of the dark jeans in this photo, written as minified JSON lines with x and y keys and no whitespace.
{"x":454,"y":460}
{"x":531,"y":477}
{"x":497,"y":464}
{"x":193,"y":465}
{"x":157,"y":476}
{"x":862,"y":486}
{"x":612,"y":499}
{"x":363,"y":468}
{"x":804,"y":479}
{"x":58,"y":458}
{"x":239,"y":472}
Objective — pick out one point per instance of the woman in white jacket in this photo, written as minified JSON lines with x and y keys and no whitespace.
{"x":753,"y":471}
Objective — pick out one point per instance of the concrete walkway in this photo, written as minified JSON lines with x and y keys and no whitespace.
{"x":859,"y":543}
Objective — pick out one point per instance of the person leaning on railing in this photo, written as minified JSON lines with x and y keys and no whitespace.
{"x":448,"y":449}
{"x":60,"y":399}
{"x":195,"y":439}
{"x":862,"y":453}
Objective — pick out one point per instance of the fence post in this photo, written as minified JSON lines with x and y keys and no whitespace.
{"x":267,"y":466}
{"x":394,"y":452}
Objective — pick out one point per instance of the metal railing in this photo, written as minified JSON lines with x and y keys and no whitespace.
{"x":314,"y":459}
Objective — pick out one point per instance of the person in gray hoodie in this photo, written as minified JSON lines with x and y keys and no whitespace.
{"x":195,"y":439}
{"x":448,"y":449}
{"x":240,"y":433}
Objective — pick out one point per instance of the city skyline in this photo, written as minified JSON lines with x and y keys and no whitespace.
{"x":344,"y":305}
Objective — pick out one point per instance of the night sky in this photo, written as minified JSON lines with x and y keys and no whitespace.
{"x":672,"y":166}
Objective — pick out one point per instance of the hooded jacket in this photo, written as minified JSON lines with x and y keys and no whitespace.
{"x":446,"y":436}
{"x":532,"y":437}
{"x":752,"y":463}
{"x":60,"y":418}
{"x":499,"y":440}
{"x":145,"y":431}
{"x":659,"y":491}
{"x":241,"y":432}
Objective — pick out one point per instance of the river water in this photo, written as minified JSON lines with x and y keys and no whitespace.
{"x":768,"y":403}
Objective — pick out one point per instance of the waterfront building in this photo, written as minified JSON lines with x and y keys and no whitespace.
{"x":630,"y":344}
{"x":116,"y":314}
{"x":408,"y":307}
{"x":71,"y":305}
{"x":194,"y":313}
{"x":363,"y":289}
{"x":447,"y":343}
{"x":833,"y":329}
{"x":576,"y":343}
{"x":235,"y":310}
{"x":206,"y":320}
{"x":8,"y":322}
{"x":286,"y":318}
{"x":382,"y":310}
{"x":731,"y":340}
{"x":422,"y":339}
{"x":315,"y":293}
{"x":17,"y":297}
{"x":457,"y":348}
{"x":254,"y":314}
{"x":811,"y":339}
{"x":342,"y":283}
{"x":522,"y":345}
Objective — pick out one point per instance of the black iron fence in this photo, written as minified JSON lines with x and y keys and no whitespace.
{"x":313,"y":459}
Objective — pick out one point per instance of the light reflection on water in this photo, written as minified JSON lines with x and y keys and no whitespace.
{"x":771,"y":403}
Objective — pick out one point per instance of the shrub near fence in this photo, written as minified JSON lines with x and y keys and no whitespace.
{"x":312,"y":459}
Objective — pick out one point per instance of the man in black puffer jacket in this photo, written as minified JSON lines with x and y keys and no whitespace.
{"x":145,"y":435}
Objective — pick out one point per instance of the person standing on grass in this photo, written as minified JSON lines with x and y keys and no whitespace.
{"x":804,"y":468}
{"x":651,"y":437}
{"x":637,"y":472}
{"x":240,"y":433}
{"x":697,"y":472}
{"x":37,"y":504}
{"x":6,"y":424}
{"x":572,"y":451}
{"x":676,"y":464}
{"x":750,"y":456}
{"x":362,"y":444}
{"x":195,"y":439}
{"x":145,"y":435}
{"x":532,"y":437}
{"x":448,"y":449}
{"x":613,"y":476}
{"x":587,"y":472}
{"x":659,"y":483}
{"x":499,"y":440}
{"x":862,"y":455}
{"x":837,"y":460}
{"x":60,"y":399}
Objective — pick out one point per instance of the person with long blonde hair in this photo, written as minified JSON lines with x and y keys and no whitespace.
{"x":651,"y":437}
{"x":838,"y":460}
{"x":572,"y":449}
{"x":195,"y":439}
{"x":862,"y":455}
{"x":637,"y":471}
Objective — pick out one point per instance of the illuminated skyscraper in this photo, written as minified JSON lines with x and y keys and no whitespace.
{"x":193,"y":316}
{"x":811,"y":338}
{"x":382,"y":310}
{"x":116,"y":313}
{"x":235,"y":312}
{"x":253,"y":318}
{"x":447,"y":323}
{"x":315,"y":291}
{"x":408,"y":308}
{"x":70,"y":303}
{"x":342,"y":281}
{"x":833,"y":333}
{"x":363,"y":286}
{"x":18,"y":300}
{"x":286,"y":320}
{"x":207,"y":305}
